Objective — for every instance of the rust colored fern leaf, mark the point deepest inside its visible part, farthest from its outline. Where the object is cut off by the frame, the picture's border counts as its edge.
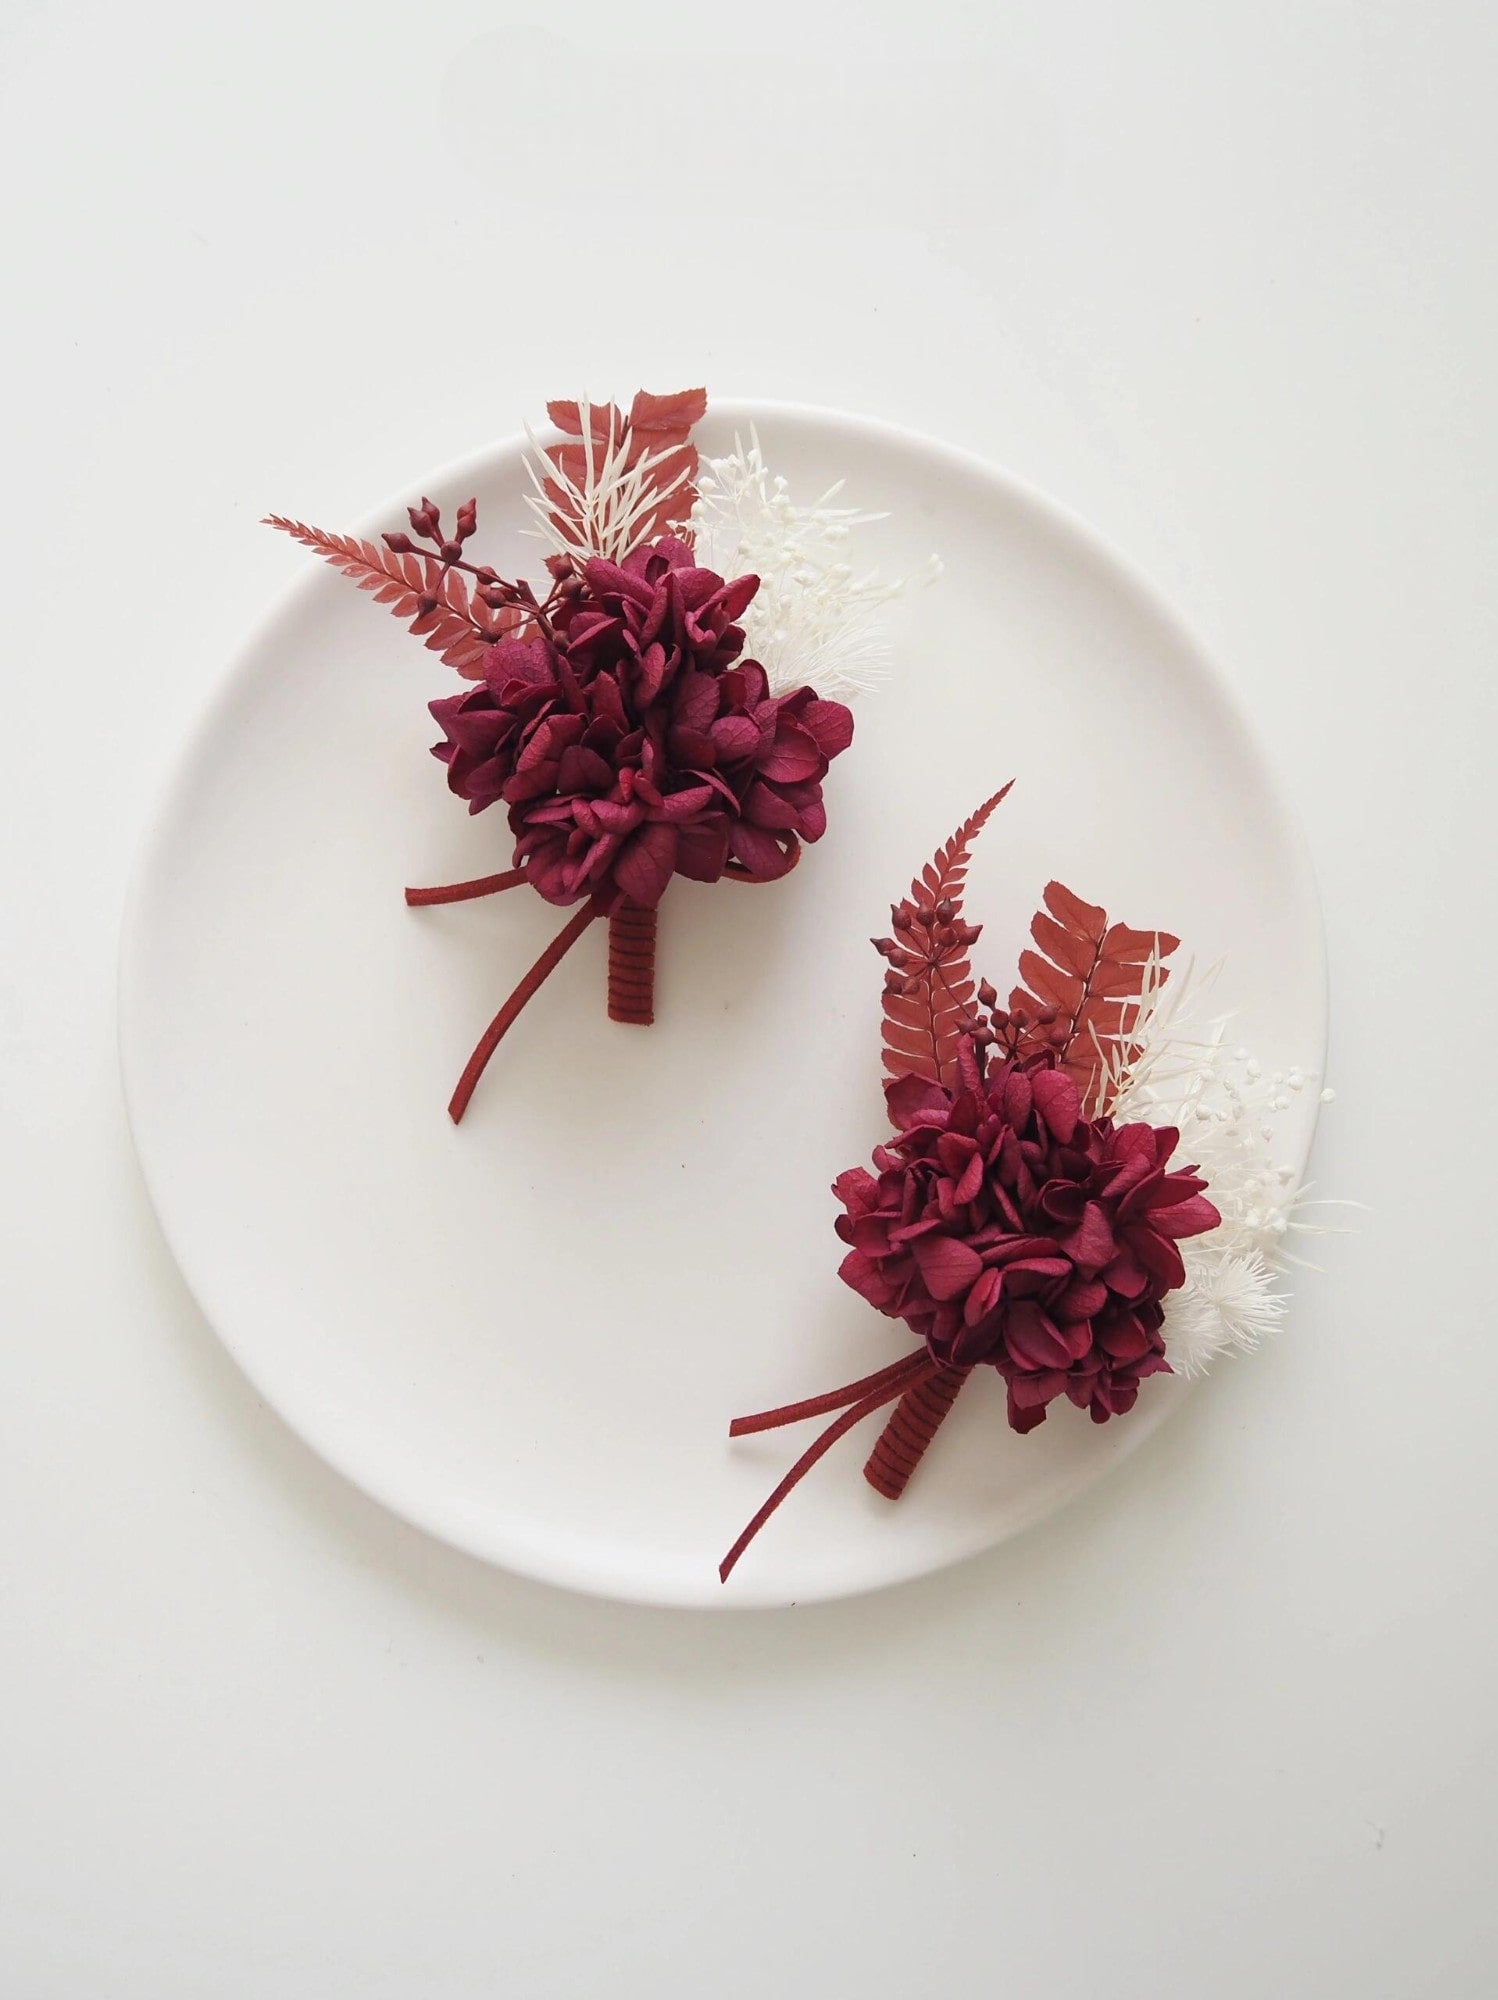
(929, 991)
(404, 583)
(1092, 973)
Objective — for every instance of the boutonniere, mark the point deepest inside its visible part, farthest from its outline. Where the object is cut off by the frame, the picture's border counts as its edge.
(663, 702)
(1081, 1190)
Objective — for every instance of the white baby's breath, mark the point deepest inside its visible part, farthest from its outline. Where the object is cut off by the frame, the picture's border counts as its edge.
(1226, 1107)
(817, 618)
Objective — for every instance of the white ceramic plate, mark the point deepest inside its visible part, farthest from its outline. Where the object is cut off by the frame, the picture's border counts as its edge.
(528, 1334)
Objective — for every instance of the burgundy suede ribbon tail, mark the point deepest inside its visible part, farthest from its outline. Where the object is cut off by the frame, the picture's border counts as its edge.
(465, 892)
(872, 1393)
(505, 1019)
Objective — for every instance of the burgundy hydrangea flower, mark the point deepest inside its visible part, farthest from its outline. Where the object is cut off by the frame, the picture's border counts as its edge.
(631, 743)
(1004, 1227)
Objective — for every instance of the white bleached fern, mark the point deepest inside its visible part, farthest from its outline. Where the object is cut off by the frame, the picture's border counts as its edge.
(607, 514)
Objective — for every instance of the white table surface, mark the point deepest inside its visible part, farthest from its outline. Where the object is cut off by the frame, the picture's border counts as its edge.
(1221, 278)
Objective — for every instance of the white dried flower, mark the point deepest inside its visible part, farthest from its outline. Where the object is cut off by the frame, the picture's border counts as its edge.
(1225, 1108)
(816, 619)
(1227, 1301)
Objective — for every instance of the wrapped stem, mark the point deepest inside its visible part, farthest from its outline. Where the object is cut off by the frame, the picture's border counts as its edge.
(918, 1416)
(632, 930)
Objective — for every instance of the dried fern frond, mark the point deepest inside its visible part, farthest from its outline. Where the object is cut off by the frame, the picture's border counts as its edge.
(1092, 973)
(929, 991)
(431, 601)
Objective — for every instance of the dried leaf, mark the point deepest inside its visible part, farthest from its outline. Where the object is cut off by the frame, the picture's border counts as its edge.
(1092, 973)
(399, 582)
(604, 420)
(667, 419)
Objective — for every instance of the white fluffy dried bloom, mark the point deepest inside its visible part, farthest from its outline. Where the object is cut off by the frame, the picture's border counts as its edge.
(1225, 1106)
(1226, 1302)
(816, 619)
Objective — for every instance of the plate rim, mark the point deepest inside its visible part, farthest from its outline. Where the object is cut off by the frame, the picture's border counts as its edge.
(505, 1550)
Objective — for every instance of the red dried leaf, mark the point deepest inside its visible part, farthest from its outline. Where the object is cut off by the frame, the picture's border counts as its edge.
(675, 479)
(1093, 974)
(922, 1027)
(658, 425)
(604, 420)
(667, 418)
(399, 582)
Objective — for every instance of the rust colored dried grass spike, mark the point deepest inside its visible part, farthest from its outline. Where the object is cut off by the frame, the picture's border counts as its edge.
(928, 990)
